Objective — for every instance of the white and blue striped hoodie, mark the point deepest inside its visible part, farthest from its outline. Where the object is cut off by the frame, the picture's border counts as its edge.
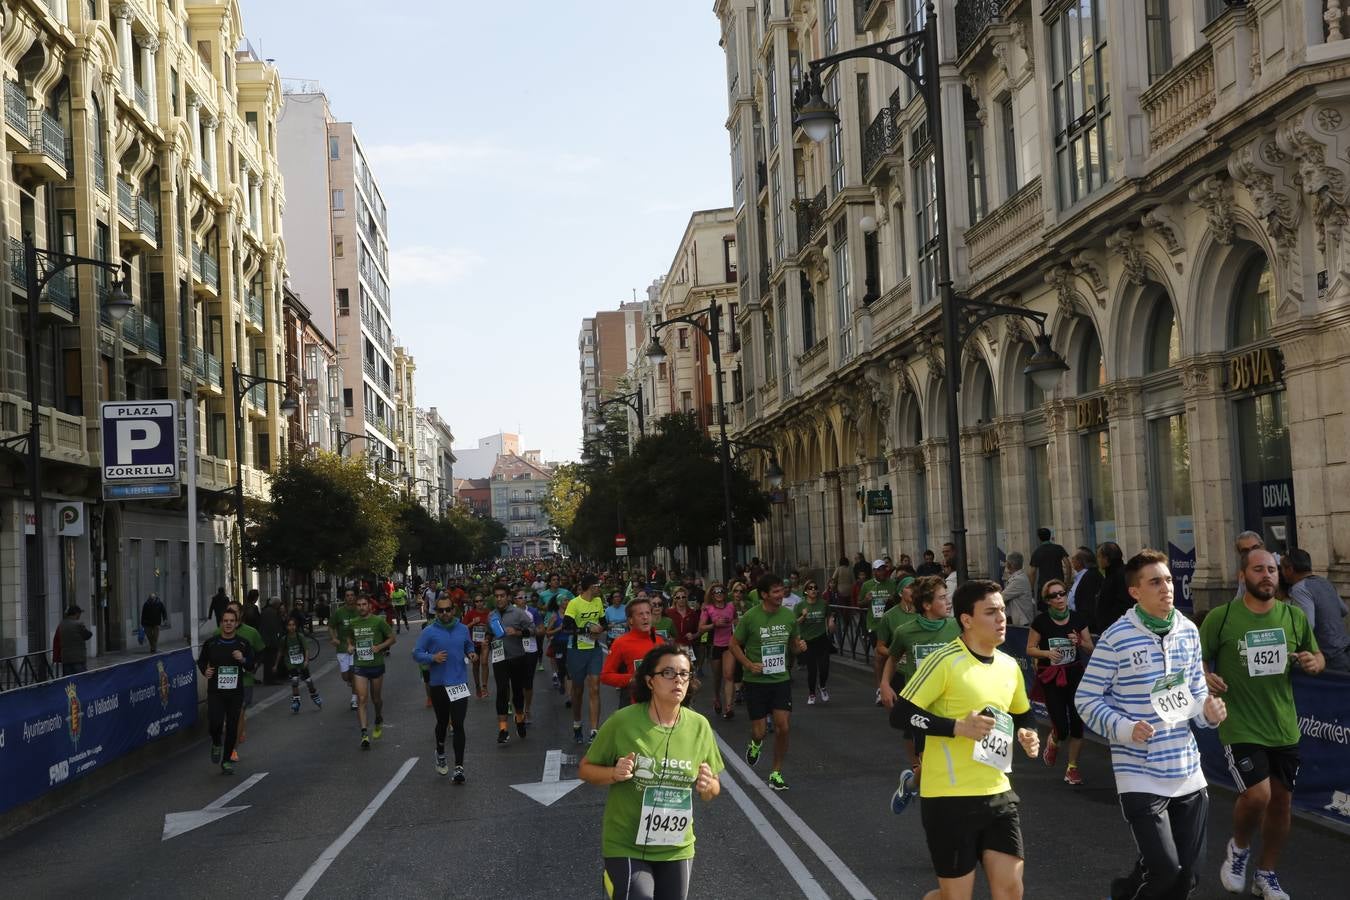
(1114, 695)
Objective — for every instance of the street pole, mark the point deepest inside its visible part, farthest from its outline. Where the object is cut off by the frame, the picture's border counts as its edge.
(37, 550)
(239, 475)
(728, 538)
(641, 427)
(194, 590)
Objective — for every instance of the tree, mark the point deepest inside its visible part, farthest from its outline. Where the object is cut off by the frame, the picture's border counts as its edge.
(478, 538)
(566, 489)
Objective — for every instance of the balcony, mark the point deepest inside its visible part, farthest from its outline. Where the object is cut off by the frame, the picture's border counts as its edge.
(17, 135)
(142, 99)
(205, 273)
(1180, 101)
(62, 434)
(1012, 226)
(810, 218)
(142, 337)
(126, 203)
(45, 155)
(59, 300)
(253, 312)
(100, 166)
(870, 15)
(209, 371)
(380, 425)
(881, 137)
(972, 17)
(147, 220)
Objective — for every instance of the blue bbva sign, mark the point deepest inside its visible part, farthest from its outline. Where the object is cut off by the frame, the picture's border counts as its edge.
(140, 441)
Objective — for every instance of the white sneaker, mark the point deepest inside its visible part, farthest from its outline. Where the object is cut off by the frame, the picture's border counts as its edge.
(878, 696)
(1267, 886)
(1233, 872)
(824, 695)
(810, 699)
(353, 701)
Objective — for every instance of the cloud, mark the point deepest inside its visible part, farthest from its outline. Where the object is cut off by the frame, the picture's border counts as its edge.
(420, 265)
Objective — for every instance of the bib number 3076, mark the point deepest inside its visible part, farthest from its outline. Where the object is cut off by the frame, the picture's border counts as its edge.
(666, 818)
(995, 748)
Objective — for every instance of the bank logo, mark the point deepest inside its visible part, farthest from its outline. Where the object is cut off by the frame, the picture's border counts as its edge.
(163, 685)
(75, 717)
(1340, 803)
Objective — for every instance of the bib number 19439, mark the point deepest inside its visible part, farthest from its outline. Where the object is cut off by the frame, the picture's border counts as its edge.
(667, 816)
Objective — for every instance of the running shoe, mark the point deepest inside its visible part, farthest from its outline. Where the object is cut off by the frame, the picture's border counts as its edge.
(752, 752)
(428, 703)
(776, 781)
(1267, 886)
(591, 739)
(1233, 872)
(365, 741)
(227, 768)
(768, 725)
(295, 705)
(234, 756)
(567, 704)
(442, 767)
(520, 729)
(810, 699)
(904, 793)
(1051, 752)
(482, 693)
(729, 714)
(353, 701)
(459, 774)
(216, 753)
(824, 695)
(878, 696)
(1072, 777)
(717, 707)
(576, 734)
(557, 686)
(318, 701)
(379, 730)
(502, 736)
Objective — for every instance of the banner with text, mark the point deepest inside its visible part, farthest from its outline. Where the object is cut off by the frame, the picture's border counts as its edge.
(54, 732)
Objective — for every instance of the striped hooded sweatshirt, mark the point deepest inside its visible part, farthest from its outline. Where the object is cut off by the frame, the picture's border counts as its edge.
(1114, 694)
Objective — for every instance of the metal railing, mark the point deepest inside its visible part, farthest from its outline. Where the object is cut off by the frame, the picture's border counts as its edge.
(99, 162)
(881, 137)
(132, 325)
(810, 218)
(147, 220)
(207, 267)
(142, 98)
(48, 129)
(30, 668)
(215, 372)
(851, 636)
(18, 268)
(16, 106)
(126, 204)
(60, 292)
(152, 337)
(972, 16)
(253, 306)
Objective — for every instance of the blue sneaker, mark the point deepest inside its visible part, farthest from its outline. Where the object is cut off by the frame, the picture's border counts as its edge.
(904, 793)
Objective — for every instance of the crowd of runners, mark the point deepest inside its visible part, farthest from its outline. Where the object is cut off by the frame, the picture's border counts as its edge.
(962, 704)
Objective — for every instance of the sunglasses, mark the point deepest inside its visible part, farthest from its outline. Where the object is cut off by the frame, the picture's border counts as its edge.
(809, 587)
(1054, 594)
(445, 609)
(718, 591)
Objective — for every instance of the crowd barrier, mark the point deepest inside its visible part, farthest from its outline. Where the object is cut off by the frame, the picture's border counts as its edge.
(58, 731)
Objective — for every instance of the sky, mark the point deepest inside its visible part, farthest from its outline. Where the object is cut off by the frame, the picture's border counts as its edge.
(540, 161)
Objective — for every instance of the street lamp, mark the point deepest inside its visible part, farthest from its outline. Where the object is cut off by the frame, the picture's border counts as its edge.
(657, 354)
(40, 267)
(241, 383)
(773, 473)
(915, 54)
(345, 438)
(631, 400)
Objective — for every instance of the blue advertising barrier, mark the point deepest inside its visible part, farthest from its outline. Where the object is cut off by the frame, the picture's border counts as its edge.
(58, 731)
(1323, 705)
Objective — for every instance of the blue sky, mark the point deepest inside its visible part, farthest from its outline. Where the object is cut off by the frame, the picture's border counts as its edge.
(540, 161)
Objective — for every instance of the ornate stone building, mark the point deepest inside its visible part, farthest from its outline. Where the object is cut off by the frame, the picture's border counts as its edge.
(1166, 180)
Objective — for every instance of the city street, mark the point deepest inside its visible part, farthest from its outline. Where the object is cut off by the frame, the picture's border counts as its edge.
(328, 820)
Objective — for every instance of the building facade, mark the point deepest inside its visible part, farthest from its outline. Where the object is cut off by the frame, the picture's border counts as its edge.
(340, 220)
(607, 346)
(138, 134)
(477, 462)
(435, 487)
(312, 364)
(475, 494)
(519, 485)
(1164, 181)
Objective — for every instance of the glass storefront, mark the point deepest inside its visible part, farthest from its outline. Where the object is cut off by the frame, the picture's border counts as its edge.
(1040, 502)
(1267, 470)
(1099, 496)
(1173, 525)
(996, 527)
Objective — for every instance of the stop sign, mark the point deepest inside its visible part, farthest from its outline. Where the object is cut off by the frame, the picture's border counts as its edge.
(620, 541)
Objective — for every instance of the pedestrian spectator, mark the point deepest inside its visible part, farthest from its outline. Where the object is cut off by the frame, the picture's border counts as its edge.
(862, 569)
(74, 633)
(1047, 564)
(1243, 544)
(272, 626)
(1017, 598)
(1114, 598)
(153, 617)
(1323, 606)
(929, 565)
(1086, 584)
(251, 613)
(218, 604)
(949, 575)
(843, 576)
(949, 554)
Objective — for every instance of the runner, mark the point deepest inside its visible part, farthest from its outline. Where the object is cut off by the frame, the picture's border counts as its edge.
(400, 613)
(1143, 688)
(927, 632)
(257, 645)
(583, 620)
(530, 643)
(901, 613)
(337, 634)
(739, 599)
(626, 653)
(668, 753)
(1248, 647)
(816, 624)
(222, 660)
(443, 647)
(512, 664)
(369, 637)
(616, 616)
(762, 641)
(662, 625)
(1060, 639)
(685, 621)
(878, 594)
(557, 646)
(295, 662)
(476, 620)
(717, 620)
(970, 701)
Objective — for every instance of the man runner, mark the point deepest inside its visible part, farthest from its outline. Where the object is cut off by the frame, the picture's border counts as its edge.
(443, 647)
(970, 701)
(368, 638)
(337, 634)
(628, 649)
(584, 620)
(1249, 646)
(877, 596)
(222, 660)
(762, 640)
(476, 620)
(400, 615)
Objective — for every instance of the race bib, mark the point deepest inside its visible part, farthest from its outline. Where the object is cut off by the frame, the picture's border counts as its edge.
(498, 652)
(995, 748)
(530, 645)
(457, 692)
(667, 817)
(617, 631)
(227, 678)
(296, 657)
(878, 607)
(584, 641)
(479, 634)
(1068, 650)
(922, 650)
(774, 658)
(365, 650)
(663, 635)
(1267, 652)
(1171, 698)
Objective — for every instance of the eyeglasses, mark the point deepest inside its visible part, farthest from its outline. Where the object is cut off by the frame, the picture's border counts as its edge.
(1056, 594)
(671, 674)
(718, 591)
(444, 609)
(809, 587)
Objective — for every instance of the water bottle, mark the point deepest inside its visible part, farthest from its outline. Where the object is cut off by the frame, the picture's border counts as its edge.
(495, 621)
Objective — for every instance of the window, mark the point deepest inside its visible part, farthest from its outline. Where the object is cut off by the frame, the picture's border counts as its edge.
(343, 302)
(1009, 126)
(1100, 499)
(771, 92)
(1164, 341)
(871, 266)
(333, 150)
(251, 120)
(1158, 37)
(347, 400)
(1080, 73)
(770, 374)
(1254, 308)
(1091, 367)
(829, 24)
(684, 338)
(784, 344)
(915, 12)
(925, 225)
(776, 195)
(843, 309)
(975, 193)
(733, 62)
(737, 168)
(901, 253)
(338, 249)
(339, 199)
(808, 313)
(729, 261)
(836, 138)
(686, 402)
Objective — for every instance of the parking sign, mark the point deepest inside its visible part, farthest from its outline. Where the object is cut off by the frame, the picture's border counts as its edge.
(140, 441)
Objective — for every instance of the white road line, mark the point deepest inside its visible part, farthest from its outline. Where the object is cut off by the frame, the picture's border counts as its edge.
(226, 798)
(851, 883)
(311, 877)
(805, 880)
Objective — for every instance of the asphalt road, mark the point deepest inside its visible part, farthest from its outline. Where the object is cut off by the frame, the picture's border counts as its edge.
(330, 821)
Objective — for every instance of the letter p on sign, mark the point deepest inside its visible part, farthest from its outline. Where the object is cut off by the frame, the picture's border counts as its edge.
(133, 435)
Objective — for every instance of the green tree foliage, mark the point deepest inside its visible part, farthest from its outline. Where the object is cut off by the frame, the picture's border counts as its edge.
(566, 489)
(479, 538)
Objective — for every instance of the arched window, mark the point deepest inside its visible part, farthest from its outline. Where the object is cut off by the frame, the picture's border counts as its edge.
(1164, 339)
(1254, 305)
(1091, 368)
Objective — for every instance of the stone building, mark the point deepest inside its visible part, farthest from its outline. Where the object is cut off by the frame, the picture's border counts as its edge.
(1165, 181)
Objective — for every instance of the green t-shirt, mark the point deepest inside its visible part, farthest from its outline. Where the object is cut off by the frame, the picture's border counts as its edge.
(365, 633)
(812, 618)
(876, 597)
(913, 641)
(664, 628)
(895, 618)
(294, 653)
(337, 624)
(762, 634)
(400, 597)
(1237, 642)
(250, 634)
(681, 750)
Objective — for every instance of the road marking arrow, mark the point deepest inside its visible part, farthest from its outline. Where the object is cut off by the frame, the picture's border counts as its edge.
(550, 788)
(177, 823)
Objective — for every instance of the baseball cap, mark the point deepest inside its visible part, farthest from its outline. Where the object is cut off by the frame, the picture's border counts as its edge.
(879, 564)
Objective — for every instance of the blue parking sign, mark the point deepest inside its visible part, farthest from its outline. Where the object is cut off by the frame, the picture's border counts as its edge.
(140, 441)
